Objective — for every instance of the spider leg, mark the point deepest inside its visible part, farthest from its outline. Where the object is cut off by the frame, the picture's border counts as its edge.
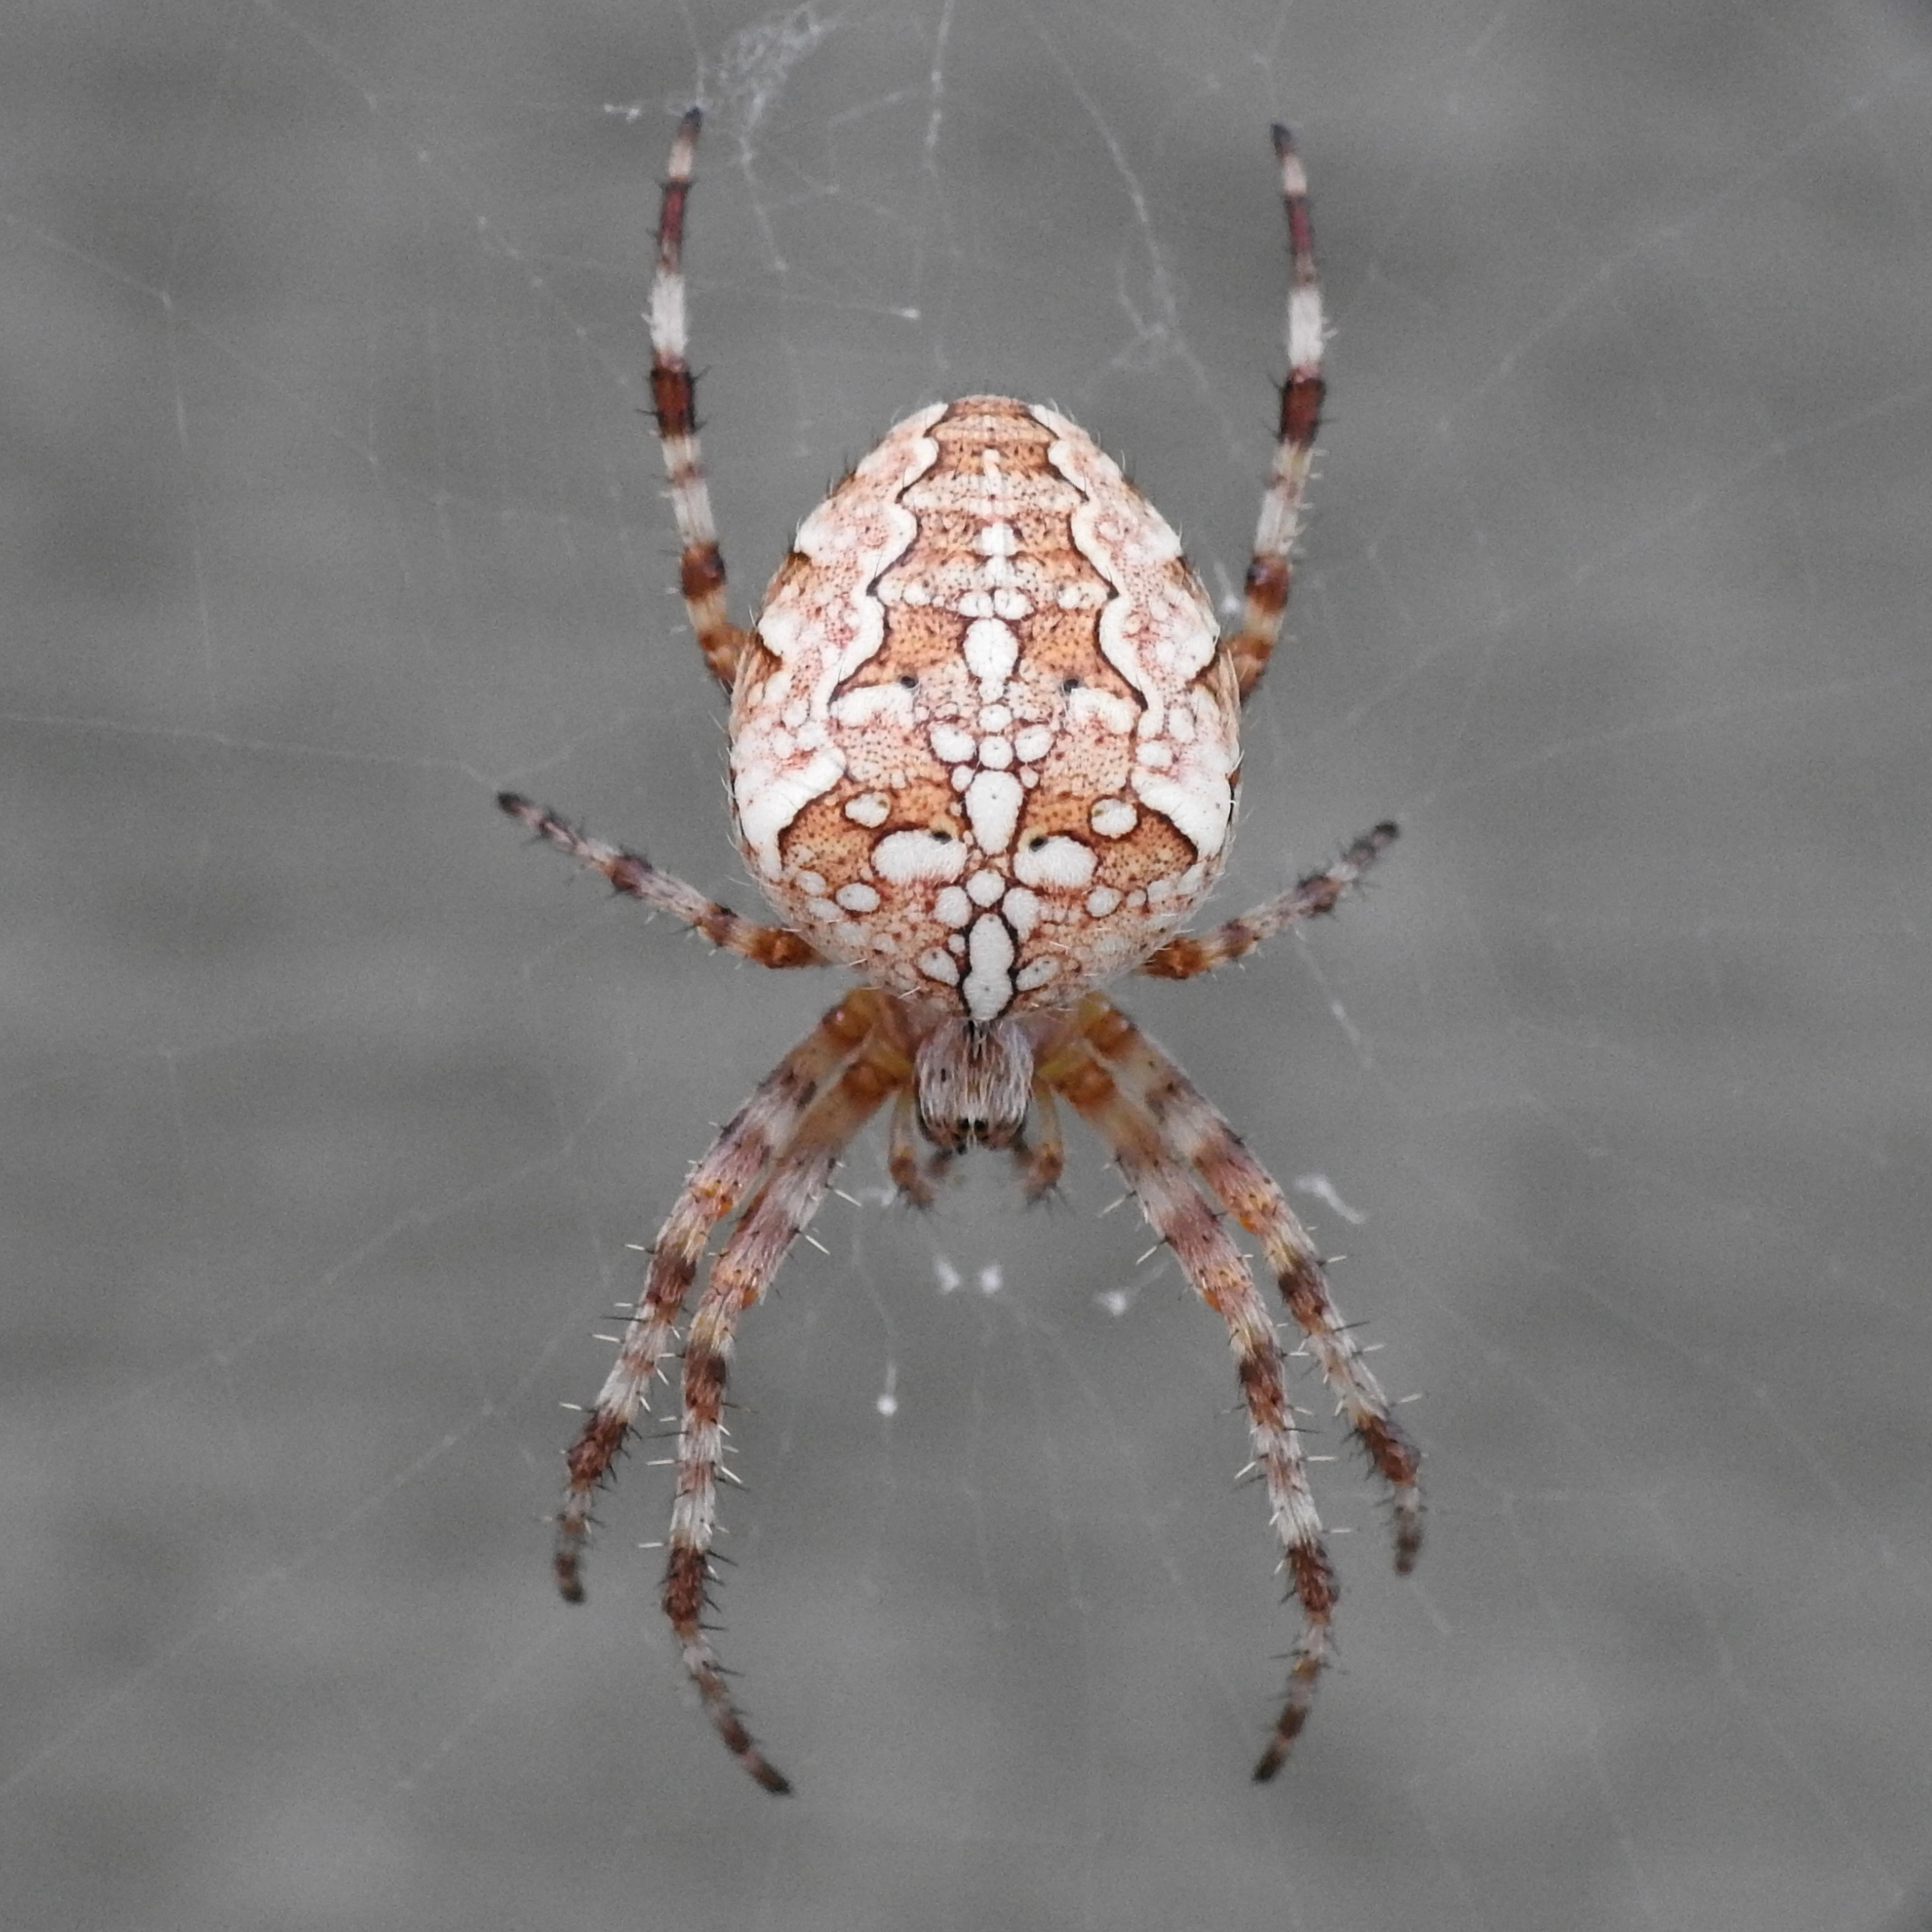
(743, 1149)
(1040, 1153)
(674, 402)
(1178, 1213)
(1189, 954)
(1271, 573)
(916, 1170)
(1192, 1124)
(801, 1171)
(631, 873)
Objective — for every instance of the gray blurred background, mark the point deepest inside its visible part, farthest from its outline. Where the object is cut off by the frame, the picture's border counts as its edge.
(328, 510)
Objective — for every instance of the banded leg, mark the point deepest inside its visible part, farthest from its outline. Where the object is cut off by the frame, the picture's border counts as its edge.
(743, 1149)
(1271, 572)
(800, 1173)
(1178, 1212)
(1188, 954)
(631, 873)
(674, 402)
(1198, 1130)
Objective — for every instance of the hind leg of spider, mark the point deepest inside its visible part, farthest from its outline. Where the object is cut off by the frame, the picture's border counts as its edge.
(801, 1171)
(1199, 1132)
(717, 1184)
(1178, 1213)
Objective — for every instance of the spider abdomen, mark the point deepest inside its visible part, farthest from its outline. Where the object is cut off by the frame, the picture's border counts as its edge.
(985, 744)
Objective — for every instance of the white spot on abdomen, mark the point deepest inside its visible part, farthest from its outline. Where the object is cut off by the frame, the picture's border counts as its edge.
(1057, 862)
(989, 986)
(992, 804)
(872, 703)
(1021, 910)
(991, 648)
(1107, 708)
(905, 858)
(768, 800)
(1198, 804)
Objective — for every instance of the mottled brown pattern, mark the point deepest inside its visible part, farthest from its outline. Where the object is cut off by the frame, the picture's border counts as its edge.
(1009, 513)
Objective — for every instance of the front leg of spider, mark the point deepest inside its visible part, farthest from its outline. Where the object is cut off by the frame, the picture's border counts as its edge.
(984, 737)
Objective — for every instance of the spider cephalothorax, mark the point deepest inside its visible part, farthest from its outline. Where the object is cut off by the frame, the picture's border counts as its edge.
(984, 744)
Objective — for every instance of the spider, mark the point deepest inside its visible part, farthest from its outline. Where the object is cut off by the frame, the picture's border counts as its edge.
(984, 745)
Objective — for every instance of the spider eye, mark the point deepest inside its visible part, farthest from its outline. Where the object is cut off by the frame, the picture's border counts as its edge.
(1069, 684)
(909, 680)
(940, 835)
